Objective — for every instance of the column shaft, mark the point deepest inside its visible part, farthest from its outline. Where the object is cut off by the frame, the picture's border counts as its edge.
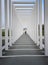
(10, 22)
(6, 23)
(37, 20)
(46, 27)
(40, 20)
(35, 33)
(0, 31)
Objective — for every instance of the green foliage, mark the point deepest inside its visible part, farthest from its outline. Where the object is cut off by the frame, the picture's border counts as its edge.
(3, 32)
(43, 30)
(8, 32)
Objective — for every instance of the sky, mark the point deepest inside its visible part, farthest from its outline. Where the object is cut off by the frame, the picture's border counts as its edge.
(3, 14)
(43, 11)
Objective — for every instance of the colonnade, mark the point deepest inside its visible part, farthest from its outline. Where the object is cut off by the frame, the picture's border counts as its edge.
(8, 19)
(37, 21)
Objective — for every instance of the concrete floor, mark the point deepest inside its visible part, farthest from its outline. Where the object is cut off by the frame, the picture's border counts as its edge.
(24, 52)
(33, 60)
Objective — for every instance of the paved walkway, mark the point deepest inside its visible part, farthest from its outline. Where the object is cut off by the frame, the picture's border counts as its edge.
(24, 52)
(24, 46)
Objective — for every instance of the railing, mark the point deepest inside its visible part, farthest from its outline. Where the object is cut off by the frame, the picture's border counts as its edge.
(43, 42)
(3, 44)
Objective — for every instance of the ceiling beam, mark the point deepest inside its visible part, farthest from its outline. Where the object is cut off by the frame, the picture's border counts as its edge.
(23, 6)
(23, 12)
(23, 2)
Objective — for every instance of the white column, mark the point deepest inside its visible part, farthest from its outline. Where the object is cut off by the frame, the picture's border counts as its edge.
(40, 20)
(0, 32)
(6, 23)
(46, 27)
(34, 20)
(10, 22)
(35, 25)
(37, 20)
